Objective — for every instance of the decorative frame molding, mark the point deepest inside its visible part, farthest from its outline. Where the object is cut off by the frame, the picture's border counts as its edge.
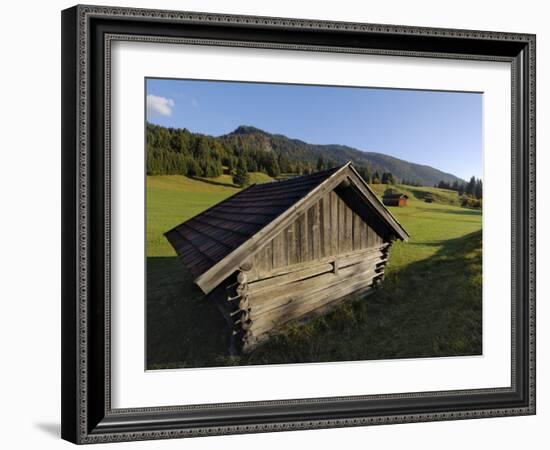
(87, 34)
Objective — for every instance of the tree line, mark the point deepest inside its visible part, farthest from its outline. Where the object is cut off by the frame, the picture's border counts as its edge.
(472, 188)
(363, 170)
(177, 151)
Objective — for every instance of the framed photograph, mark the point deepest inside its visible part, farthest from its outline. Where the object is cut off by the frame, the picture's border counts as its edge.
(279, 224)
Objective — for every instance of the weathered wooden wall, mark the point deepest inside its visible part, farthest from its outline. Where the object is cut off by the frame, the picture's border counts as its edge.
(274, 301)
(257, 307)
(328, 228)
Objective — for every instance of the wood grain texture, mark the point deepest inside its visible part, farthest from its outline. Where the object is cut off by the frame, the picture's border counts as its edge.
(292, 310)
(272, 297)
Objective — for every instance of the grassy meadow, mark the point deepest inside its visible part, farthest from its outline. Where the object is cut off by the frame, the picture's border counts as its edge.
(429, 304)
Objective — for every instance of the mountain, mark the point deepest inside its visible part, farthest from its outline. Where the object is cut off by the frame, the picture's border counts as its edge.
(180, 151)
(246, 136)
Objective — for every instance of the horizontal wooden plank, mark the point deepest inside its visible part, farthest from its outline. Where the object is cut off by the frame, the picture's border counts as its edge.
(307, 272)
(299, 298)
(264, 291)
(310, 302)
(322, 308)
(280, 295)
(345, 259)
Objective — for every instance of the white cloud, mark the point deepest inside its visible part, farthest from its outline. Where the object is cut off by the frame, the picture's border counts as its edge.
(160, 106)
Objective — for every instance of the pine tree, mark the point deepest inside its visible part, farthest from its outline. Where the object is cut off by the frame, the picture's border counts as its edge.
(202, 150)
(230, 163)
(365, 174)
(273, 169)
(479, 189)
(193, 169)
(387, 178)
(253, 166)
(471, 187)
(241, 177)
(321, 163)
(284, 164)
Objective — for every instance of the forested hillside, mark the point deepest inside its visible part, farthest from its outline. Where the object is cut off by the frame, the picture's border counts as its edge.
(172, 151)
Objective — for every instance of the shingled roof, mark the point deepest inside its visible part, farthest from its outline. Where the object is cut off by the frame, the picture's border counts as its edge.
(206, 240)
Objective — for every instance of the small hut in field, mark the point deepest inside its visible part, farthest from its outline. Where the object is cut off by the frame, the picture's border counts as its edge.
(287, 250)
(394, 198)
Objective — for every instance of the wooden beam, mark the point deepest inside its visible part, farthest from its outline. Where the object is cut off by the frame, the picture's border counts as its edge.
(246, 266)
(307, 272)
(280, 295)
(310, 302)
(383, 212)
(333, 223)
(346, 259)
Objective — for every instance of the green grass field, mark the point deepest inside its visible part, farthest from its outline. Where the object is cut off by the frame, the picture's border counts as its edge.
(429, 304)
(171, 199)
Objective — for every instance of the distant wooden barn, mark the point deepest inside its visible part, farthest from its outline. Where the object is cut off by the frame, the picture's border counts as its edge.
(287, 250)
(394, 199)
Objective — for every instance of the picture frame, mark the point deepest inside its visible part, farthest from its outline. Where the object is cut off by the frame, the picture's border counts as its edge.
(87, 413)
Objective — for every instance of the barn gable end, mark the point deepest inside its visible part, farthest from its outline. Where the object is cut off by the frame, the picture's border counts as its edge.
(326, 229)
(286, 250)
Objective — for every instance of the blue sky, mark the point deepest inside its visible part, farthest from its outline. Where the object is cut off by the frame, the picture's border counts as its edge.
(439, 129)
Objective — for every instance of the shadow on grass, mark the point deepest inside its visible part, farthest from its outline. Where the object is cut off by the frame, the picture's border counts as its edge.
(430, 308)
(215, 183)
(421, 195)
(461, 211)
(183, 330)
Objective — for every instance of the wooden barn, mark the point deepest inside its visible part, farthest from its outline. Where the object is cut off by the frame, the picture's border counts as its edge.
(287, 250)
(394, 199)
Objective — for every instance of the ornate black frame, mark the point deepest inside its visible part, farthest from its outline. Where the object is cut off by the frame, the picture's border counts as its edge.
(87, 416)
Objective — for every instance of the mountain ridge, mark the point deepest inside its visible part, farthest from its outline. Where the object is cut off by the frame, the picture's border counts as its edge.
(178, 150)
(376, 161)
